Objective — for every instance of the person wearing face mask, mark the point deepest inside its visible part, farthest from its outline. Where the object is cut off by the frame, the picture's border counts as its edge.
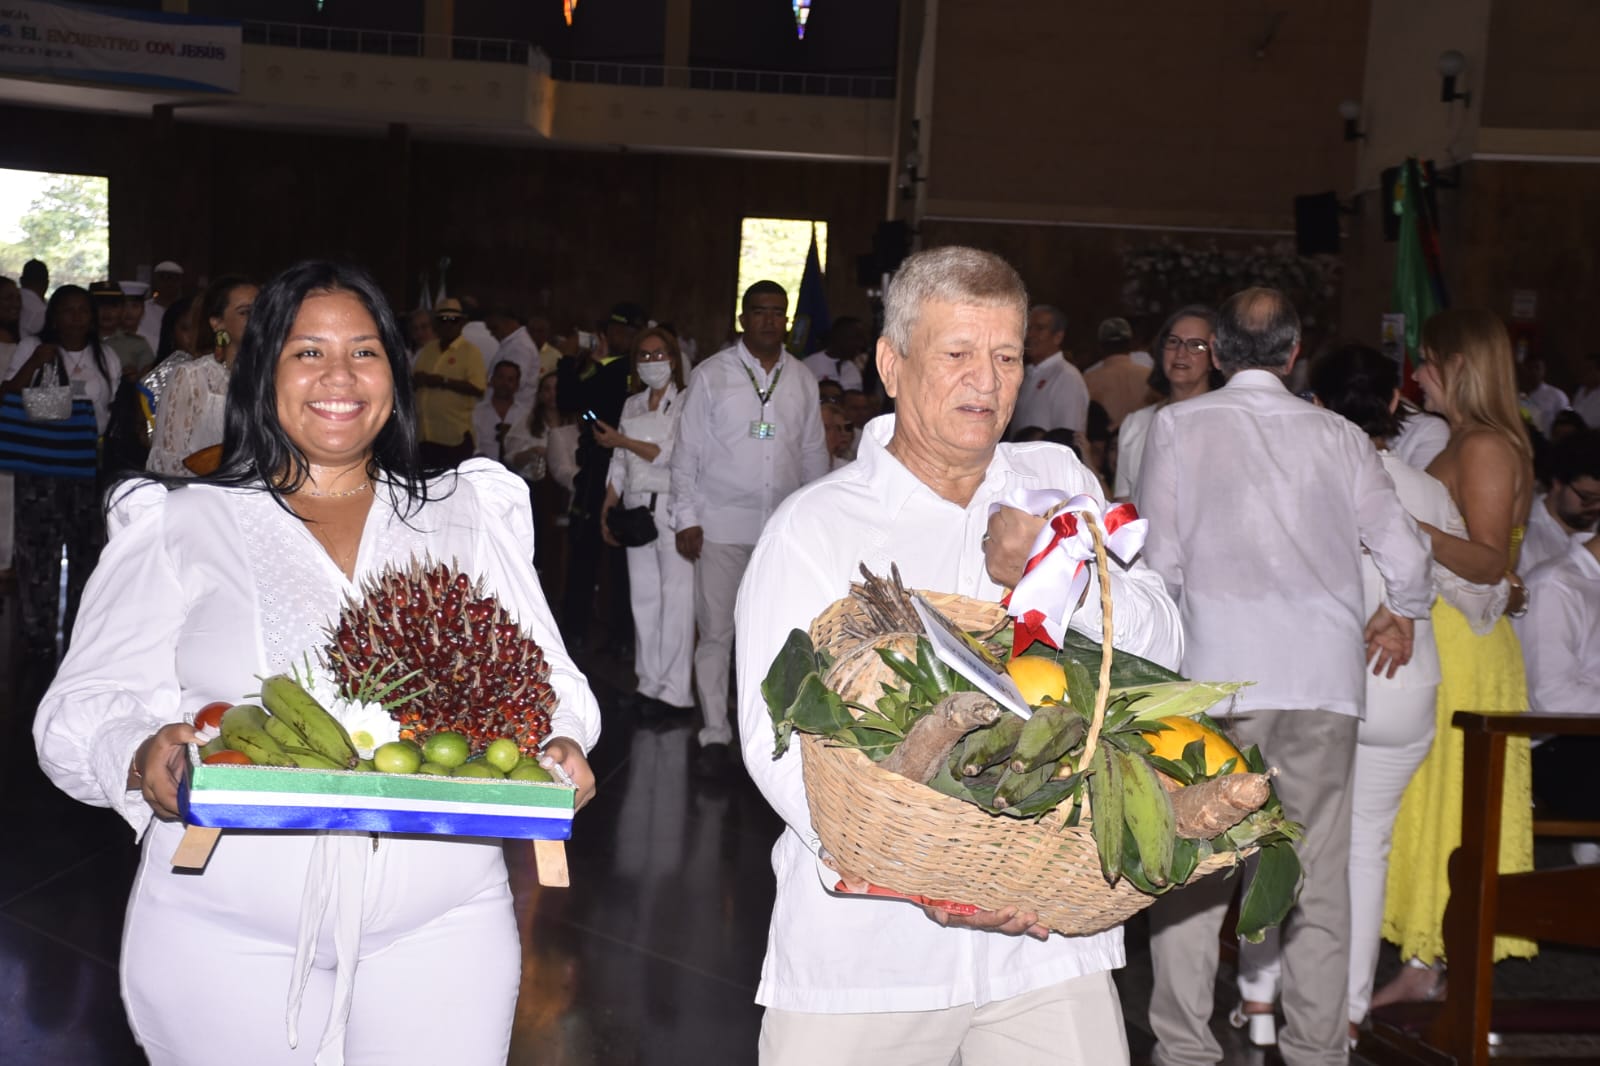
(660, 581)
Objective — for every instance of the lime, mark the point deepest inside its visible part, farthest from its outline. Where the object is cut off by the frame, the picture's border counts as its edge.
(434, 769)
(503, 755)
(446, 749)
(476, 769)
(530, 770)
(397, 757)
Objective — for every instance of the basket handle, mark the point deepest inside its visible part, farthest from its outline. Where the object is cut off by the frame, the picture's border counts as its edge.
(1102, 569)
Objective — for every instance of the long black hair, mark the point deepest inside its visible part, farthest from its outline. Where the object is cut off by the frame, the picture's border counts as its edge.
(168, 340)
(51, 333)
(256, 450)
(1359, 382)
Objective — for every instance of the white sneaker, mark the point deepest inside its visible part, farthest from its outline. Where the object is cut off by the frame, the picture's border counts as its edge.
(1263, 1028)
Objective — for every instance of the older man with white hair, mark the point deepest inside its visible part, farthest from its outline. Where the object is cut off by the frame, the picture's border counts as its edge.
(852, 980)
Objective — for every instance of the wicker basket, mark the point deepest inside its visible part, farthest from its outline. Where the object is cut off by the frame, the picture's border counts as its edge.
(905, 836)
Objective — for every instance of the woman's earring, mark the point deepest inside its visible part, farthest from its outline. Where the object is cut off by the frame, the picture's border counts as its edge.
(223, 340)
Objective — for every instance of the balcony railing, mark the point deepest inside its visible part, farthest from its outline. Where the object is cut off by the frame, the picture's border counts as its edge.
(856, 86)
(523, 53)
(395, 43)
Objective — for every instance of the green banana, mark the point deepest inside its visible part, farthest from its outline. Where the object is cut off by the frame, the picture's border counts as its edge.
(283, 732)
(307, 759)
(1105, 813)
(322, 732)
(983, 748)
(242, 731)
(211, 747)
(1052, 732)
(1147, 809)
(1014, 788)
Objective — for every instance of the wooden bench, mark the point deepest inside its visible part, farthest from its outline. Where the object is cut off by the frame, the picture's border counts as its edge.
(1556, 906)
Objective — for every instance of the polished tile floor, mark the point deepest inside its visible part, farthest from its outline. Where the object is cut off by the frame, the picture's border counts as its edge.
(651, 957)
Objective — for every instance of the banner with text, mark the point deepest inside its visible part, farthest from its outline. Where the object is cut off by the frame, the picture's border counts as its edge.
(135, 48)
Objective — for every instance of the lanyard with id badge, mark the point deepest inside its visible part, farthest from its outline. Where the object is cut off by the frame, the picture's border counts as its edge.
(761, 429)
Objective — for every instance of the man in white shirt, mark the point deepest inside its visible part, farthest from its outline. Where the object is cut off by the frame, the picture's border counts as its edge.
(838, 360)
(1259, 506)
(837, 435)
(1541, 400)
(1053, 394)
(1572, 506)
(516, 346)
(34, 282)
(750, 434)
(868, 982)
(166, 285)
(1560, 638)
(477, 332)
(500, 421)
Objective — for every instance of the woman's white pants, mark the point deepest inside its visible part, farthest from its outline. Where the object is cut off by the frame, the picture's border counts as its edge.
(661, 584)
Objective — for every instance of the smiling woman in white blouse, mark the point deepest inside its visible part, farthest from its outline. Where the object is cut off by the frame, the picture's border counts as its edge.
(210, 583)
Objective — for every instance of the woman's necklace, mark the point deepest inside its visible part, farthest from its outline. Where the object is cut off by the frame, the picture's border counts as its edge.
(336, 495)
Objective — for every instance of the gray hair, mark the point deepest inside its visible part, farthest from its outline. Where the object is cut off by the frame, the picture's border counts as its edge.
(1058, 317)
(951, 274)
(1257, 328)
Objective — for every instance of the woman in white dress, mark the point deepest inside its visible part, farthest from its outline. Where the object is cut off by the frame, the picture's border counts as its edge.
(660, 581)
(229, 577)
(190, 416)
(1183, 370)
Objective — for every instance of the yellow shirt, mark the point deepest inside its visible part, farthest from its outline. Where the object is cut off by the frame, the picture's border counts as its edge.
(444, 416)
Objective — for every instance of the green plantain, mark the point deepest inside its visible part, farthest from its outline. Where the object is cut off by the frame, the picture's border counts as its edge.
(322, 732)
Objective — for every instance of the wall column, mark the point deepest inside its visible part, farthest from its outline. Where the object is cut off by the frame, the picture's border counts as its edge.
(675, 47)
(394, 265)
(439, 25)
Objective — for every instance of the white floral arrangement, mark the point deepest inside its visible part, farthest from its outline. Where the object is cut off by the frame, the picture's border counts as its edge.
(1160, 278)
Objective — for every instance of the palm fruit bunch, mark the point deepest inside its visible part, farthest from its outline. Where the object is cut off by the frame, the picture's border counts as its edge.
(473, 670)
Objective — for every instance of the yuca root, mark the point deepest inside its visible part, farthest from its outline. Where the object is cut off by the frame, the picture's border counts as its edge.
(1203, 810)
(928, 745)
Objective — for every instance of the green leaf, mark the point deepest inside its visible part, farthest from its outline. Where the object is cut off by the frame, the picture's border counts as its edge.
(904, 667)
(1227, 767)
(816, 709)
(1185, 857)
(1080, 688)
(1194, 756)
(1126, 668)
(1253, 760)
(1271, 892)
(933, 668)
(794, 661)
(1178, 771)
(1185, 698)
(1047, 797)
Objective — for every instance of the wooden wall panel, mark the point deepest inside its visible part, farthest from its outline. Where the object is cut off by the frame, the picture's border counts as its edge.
(564, 233)
(1541, 71)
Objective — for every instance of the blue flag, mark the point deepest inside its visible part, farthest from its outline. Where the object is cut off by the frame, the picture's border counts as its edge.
(811, 318)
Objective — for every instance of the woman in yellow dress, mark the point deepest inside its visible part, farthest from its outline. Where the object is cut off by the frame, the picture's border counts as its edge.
(1487, 467)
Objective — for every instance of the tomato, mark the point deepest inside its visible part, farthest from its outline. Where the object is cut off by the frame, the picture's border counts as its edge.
(210, 716)
(228, 757)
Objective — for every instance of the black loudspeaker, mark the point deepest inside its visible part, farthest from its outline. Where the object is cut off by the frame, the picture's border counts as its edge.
(1316, 224)
(891, 244)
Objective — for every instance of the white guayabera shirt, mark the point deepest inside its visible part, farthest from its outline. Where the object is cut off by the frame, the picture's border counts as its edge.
(1561, 632)
(1259, 506)
(833, 954)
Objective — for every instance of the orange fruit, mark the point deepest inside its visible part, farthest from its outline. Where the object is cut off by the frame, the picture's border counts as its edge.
(1038, 678)
(1181, 732)
(227, 757)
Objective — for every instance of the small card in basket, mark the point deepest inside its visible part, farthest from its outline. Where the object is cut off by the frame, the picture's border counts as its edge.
(970, 659)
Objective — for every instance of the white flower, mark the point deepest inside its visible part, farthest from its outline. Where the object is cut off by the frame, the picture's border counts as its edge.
(369, 725)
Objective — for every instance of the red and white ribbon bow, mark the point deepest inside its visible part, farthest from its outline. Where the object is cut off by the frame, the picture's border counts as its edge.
(1057, 572)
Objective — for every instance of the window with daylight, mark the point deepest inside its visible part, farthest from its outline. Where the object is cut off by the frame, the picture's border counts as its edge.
(775, 249)
(63, 220)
